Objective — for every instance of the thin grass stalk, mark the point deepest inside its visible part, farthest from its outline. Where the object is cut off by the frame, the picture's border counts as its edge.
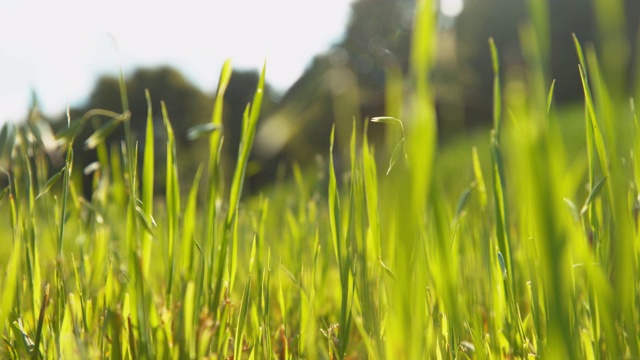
(10, 284)
(409, 317)
(250, 120)
(133, 242)
(609, 169)
(624, 262)
(189, 228)
(497, 164)
(29, 221)
(372, 248)
(173, 202)
(213, 174)
(244, 308)
(147, 183)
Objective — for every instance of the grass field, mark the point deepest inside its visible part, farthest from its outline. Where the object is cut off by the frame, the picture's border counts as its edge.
(519, 242)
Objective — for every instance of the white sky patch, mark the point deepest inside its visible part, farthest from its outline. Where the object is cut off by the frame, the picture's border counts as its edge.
(58, 49)
(451, 8)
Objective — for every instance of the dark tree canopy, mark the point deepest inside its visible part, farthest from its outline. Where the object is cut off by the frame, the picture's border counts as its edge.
(502, 20)
(187, 106)
(348, 81)
(344, 83)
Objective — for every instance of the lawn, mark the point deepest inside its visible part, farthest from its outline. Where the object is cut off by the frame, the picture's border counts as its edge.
(518, 241)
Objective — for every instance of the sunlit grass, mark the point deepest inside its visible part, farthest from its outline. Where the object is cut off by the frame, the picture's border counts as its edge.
(517, 242)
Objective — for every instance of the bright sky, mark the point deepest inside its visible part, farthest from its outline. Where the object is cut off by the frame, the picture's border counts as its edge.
(59, 49)
(451, 8)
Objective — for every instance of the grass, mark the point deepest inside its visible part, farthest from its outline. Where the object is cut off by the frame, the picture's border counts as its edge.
(518, 242)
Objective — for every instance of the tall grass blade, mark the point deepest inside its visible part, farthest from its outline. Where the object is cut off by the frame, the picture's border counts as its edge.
(52, 181)
(173, 200)
(250, 121)
(213, 176)
(147, 181)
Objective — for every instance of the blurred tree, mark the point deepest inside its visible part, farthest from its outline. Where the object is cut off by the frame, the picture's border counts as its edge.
(344, 83)
(501, 19)
(187, 106)
(378, 36)
(480, 20)
(348, 81)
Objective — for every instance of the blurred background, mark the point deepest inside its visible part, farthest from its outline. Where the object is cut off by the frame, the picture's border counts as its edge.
(327, 62)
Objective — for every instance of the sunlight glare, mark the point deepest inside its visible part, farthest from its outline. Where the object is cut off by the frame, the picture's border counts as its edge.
(451, 8)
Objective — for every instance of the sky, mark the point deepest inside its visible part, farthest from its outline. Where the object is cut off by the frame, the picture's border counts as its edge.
(59, 49)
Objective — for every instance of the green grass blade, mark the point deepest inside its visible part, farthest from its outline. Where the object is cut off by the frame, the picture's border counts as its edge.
(201, 130)
(595, 128)
(147, 181)
(215, 146)
(592, 195)
(173, 200)
(250, 121)
(244, 308)
(550, 96)
(497, 99)
(189, 225)
(100, 135)
(334, 205)
(10, 284)
(188, 312)
(52, 181)
(479, 178)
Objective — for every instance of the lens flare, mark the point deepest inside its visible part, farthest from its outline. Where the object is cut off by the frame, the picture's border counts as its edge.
(451, 8)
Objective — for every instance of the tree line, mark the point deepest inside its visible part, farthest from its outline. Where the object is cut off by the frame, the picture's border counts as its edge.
(348, 81)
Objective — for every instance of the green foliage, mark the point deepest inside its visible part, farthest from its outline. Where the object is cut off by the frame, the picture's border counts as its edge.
(345, 82)
(555, 21)
(424, 261)
(187, 105)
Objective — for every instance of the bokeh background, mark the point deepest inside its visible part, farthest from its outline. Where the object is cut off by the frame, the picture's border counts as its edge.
(327, 62)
